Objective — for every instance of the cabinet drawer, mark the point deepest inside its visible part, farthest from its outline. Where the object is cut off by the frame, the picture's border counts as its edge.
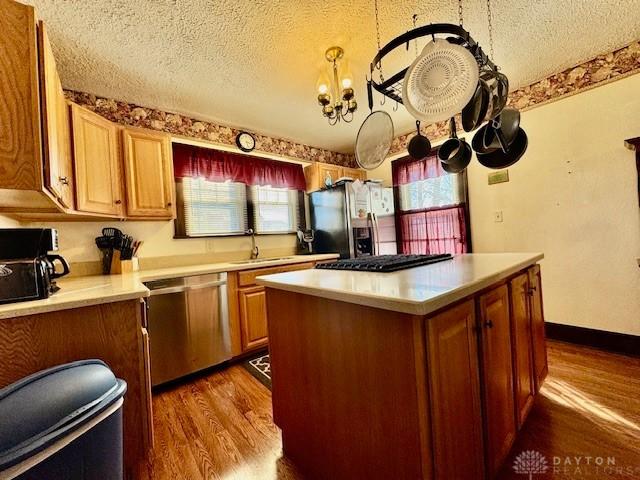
(248, 277)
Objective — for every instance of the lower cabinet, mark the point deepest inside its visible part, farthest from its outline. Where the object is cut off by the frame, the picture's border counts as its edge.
(454, 383)
(497, 376)
(248, 307)
(537, 326)
(253, 317)
(522, 347)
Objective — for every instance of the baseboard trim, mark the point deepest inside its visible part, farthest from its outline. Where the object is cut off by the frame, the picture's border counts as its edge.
(609, 341)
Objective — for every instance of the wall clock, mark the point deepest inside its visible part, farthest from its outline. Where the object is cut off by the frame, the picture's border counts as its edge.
(245, 141)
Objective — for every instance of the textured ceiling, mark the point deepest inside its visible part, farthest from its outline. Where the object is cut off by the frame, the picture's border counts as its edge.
(255, 63)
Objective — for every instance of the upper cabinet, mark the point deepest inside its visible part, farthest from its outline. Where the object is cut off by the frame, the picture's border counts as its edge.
(58, 167)
(20, 139)
(97, 163)
(148, 172)
(317, 174)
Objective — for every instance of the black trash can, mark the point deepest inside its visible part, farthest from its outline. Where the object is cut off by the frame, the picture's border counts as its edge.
(63, 423)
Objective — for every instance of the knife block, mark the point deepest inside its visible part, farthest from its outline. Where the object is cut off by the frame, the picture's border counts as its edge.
(123, 266)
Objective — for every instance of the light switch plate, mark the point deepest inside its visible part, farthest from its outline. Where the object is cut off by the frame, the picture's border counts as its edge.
(497, 216)
(501, 176)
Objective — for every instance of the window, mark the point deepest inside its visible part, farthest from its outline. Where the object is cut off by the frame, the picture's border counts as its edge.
(275, 210)
(432, 213)
(431, 192)
(214, 208)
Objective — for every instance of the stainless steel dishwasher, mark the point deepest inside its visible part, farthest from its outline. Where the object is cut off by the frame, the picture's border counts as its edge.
(188, 323)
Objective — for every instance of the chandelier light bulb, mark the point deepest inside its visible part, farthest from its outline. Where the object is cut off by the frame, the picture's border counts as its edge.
(323, 88)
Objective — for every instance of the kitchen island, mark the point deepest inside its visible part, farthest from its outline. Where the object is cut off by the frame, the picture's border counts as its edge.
(428, 372)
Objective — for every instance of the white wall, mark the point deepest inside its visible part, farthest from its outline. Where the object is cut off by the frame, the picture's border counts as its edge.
(573, 196)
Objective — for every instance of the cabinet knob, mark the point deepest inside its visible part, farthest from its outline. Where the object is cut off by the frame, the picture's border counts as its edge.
(118, 202)
(488, 324)
(169, 204)
(64, 180)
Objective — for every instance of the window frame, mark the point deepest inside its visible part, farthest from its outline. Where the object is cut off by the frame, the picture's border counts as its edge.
(180, 232)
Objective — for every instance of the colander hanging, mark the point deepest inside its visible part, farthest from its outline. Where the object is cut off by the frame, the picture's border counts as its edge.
(374, 140)
(440, 81)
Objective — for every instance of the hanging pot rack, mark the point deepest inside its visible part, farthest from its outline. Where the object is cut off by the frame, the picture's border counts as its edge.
(392, 87)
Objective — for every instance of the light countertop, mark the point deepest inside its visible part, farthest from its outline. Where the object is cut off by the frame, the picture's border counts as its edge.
(78, 292)
(417, 291)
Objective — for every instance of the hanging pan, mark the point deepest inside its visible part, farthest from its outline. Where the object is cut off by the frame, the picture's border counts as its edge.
(455, 153)
(474, 112)
(440, 81)
(374, 140)
(419, 146)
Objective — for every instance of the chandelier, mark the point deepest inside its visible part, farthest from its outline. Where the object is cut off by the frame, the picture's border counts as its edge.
(335, 94)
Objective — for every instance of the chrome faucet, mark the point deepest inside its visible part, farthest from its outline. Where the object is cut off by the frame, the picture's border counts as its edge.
(255, 251)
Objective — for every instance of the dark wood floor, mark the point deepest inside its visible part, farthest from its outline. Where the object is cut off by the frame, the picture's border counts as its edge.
(220, 426)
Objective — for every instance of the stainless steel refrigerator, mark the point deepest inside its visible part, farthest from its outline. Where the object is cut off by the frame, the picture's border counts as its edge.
(353, 219)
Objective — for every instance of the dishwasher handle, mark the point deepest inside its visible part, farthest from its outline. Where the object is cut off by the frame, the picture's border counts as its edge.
(168, 290)
(200, 286)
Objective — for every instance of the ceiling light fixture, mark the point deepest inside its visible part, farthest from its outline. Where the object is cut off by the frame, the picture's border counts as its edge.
(336, 95)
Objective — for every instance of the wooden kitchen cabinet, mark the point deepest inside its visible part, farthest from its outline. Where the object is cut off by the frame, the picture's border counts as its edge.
(253, 317)
(148, 172)
(497, 375)
(455, 393)
(58, 166)
(524, 383)
(97, 163)
(537, 326)
(316, 174)
(354, 173)
(247, 307)
(35, 173)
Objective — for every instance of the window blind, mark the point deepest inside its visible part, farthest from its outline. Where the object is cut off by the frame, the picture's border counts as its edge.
(275, 210)
(214, 208)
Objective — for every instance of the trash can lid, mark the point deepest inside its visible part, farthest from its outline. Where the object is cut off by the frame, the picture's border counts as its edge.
(40, 408)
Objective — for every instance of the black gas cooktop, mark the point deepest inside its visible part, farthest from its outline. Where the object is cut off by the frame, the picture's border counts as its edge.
(384, 263)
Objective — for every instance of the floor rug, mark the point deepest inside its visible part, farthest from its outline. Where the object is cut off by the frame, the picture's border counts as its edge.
(260, 367)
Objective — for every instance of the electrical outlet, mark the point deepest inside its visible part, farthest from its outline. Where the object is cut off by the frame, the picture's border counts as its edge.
(497, 216)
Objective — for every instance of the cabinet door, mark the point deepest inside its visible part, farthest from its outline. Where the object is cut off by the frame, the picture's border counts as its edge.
(522, 346)
(326, 170)
(497, 372)
(148, 170)
(253, 317)
(455, 393)
(20, 141)
(537, 326)
(97, 163)
(58, 168)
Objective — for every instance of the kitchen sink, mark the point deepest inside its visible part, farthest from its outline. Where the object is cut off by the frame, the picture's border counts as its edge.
(259, 260)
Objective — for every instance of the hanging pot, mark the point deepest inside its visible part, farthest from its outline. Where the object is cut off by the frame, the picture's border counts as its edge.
(499, 88)
(474, 112)
(502, 130)
(419, 146)
(498, 159)
(455, 152)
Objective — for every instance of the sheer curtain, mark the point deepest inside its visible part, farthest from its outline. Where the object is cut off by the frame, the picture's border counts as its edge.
(432, 215)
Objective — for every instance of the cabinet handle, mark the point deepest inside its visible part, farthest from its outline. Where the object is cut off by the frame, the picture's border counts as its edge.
(488, 324)
(118, 202)
(64, 180)
(169, 204)
(531, 290)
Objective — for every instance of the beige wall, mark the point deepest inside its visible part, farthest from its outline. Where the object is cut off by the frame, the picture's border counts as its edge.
(77, 241)
(6, 222)
(574, 197)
